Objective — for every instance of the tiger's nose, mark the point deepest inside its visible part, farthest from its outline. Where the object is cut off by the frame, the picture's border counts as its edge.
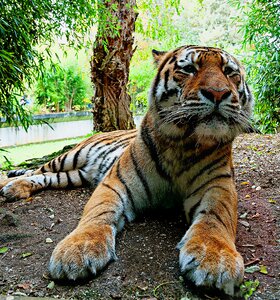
(216, 96)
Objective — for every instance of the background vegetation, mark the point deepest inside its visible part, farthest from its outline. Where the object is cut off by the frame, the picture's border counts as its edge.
(249, 29)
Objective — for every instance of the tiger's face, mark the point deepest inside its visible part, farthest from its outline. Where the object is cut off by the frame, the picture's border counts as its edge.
(202, 91)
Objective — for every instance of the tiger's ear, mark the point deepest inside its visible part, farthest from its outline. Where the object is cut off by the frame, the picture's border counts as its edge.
(158, 55)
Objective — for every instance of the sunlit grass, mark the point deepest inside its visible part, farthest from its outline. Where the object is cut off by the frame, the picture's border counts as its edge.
(19, 154)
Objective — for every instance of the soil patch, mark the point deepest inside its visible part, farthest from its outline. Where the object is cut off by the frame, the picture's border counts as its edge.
(147, 265)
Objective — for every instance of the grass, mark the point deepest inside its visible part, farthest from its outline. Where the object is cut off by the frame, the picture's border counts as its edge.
(19, 154)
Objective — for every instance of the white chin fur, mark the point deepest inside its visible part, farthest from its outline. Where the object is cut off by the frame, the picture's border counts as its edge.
(217, 131)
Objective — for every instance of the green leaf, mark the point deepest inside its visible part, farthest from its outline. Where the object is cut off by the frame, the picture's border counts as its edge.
(26, 254)
(3, 250)
(50, 285)
(252, 269)
(263, 269)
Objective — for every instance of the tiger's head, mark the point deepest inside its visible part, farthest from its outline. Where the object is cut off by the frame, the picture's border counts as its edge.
(202, 91)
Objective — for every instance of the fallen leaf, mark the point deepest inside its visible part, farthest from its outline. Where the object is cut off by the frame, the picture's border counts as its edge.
(247, 196)
(45, 276)
(49, 240)
(263, 269)
(252, 269)
(50, 285)
(24, 286)
(30, 199)
(245, 183)
(272, 201)
(243, 216)
(257, 215)
(26, 254)
(244, 223)
(3, 250)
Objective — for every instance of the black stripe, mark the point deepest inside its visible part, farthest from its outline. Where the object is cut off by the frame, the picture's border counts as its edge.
(172, 59)
(207, 167)
(158, 76)
(42, 169)
(45, 179)
(63, 162)
(69, 183)
(192, 210)
(128, 191)
(166, 76)
(75, 158)
(216, 187)
(141, 175)
(207, 182)
(85, 182)
(212, 212)
(119, 144)
(53, 166)
(156, 84)
(223, 164)
(58, 178)
(190, 161)
(175, 66)
(169, 93)
(148, 140)
(116, 140)
(104, 213)
(120, 197)
(110, 165)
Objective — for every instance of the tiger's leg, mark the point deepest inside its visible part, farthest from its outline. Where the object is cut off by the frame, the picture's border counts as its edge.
(92, 244)
(23, 186)
(208, 254)
(124, 191)
(56, 173)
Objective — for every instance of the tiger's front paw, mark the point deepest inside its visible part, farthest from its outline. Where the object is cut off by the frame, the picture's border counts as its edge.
(211, 263)
(83, 252)
(17, 189)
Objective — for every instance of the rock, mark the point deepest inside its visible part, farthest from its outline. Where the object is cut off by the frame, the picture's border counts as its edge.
(8, 218)
(19, 294)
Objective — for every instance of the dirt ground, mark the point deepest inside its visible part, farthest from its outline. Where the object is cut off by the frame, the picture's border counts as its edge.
(147, 265)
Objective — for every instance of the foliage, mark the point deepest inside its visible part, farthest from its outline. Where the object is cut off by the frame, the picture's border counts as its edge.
(26, 25)
(62, 89)
(260, 19)
(154, 20)
(210, 23)
(23, 26)
(247, 288)
(141, 75)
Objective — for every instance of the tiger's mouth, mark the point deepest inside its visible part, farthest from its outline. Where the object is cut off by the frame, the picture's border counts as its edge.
(210, 118)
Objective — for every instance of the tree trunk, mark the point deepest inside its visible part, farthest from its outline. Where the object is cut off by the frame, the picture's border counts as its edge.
(110, 69)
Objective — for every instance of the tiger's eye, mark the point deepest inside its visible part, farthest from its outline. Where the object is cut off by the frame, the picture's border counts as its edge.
(189, 69)
(228, 70)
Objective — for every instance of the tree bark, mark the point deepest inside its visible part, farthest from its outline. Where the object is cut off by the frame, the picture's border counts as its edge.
(110, 69)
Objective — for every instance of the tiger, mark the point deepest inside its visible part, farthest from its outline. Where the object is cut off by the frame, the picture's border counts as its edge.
(199, 102)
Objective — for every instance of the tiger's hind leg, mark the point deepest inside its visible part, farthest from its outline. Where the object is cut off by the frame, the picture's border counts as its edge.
(56, 173)
(208, 255)
(23, 186)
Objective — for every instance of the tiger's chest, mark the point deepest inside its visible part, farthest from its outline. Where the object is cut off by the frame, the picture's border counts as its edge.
(191, 166)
